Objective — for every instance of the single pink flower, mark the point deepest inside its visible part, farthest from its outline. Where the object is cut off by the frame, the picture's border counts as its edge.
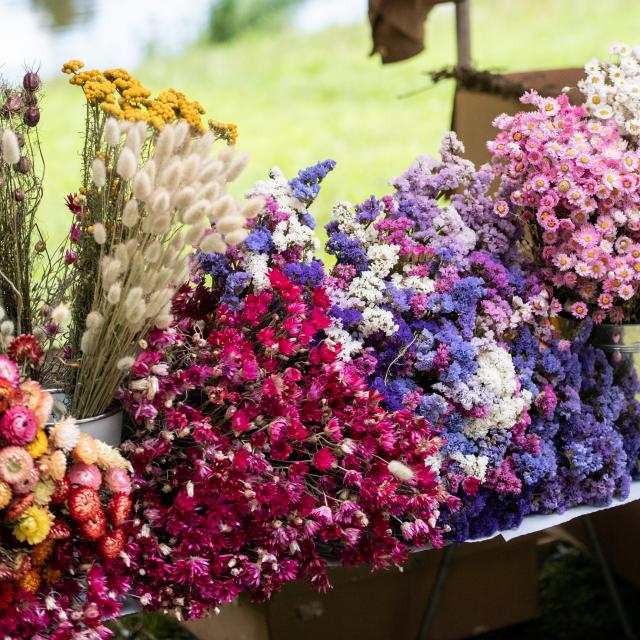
(118, 480)
(323, 459)
(86, 475)
(18, 425)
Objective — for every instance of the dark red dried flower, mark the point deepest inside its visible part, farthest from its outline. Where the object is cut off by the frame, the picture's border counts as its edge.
(110, 545)
(84, 503)
(60, 530)
(61, 491)
(119, 509)
(31, 81)
(25, 349)
(95, 527)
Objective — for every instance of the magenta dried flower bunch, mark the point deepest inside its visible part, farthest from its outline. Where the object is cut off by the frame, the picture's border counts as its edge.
(260, 453)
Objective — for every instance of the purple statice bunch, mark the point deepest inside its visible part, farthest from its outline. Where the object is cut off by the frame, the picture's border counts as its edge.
(468, 191)
(423, 306)
(582, 444)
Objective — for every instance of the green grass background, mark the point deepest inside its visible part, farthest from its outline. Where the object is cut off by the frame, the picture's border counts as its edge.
(298, 98)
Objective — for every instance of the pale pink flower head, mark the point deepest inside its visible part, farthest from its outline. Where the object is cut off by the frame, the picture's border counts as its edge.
(588, 236)
(626, 291)
(9, 370)
(15, 465)
(38, 401)
(28, 484)
(501, 208)
(118, 480)
(605, 300)
(623, 244)
(85, 475)
(563, 261)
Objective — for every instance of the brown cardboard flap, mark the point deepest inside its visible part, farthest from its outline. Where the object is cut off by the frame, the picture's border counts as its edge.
(240, 620)
(473, 112)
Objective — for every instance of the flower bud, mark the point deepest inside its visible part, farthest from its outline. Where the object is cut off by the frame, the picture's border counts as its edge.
(230, 223)
(141, 186)
(24, 165)
(112, 132)
(236, 237)
(130, 215)
(213, 243)
(18, 194)
(31, 116)
(99, 233)
(31, 81)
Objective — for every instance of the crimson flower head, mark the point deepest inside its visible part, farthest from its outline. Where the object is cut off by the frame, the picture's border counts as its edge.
(25, 350)
(323, 459)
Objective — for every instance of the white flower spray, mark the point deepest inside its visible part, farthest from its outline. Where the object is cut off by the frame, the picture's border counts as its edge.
(175, 200)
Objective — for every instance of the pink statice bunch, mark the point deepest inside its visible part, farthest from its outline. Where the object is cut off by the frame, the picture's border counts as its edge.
(260, 454)
(574, 180)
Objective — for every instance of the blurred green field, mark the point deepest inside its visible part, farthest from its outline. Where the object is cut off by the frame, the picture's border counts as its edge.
(298, 98)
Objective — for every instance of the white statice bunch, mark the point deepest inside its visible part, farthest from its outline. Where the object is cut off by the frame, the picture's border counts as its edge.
(451, 230)
(471, 465)
(175, 200)
(344, 215)
(496, 378)
(290, 232)
(404, 280)
(612, 88)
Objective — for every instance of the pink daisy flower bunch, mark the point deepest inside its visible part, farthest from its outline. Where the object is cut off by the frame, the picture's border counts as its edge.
(261, 454)
(574, 180)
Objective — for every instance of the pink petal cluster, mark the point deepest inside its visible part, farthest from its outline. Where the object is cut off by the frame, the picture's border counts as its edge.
(575, 180)
(18, 425)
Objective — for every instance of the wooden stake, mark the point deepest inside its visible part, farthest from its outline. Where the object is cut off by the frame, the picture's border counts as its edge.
(463, 33)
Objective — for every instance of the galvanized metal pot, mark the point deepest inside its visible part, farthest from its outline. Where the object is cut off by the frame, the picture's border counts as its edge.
(106, 427)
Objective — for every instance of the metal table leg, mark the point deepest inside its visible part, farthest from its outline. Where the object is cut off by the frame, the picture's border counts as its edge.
(436, 593)
(612, 588)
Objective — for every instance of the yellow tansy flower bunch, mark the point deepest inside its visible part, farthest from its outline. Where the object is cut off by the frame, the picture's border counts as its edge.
(226, 131)
(118, 93)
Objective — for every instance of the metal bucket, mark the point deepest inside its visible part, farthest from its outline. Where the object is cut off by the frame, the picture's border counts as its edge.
(621, 343)
(106, 427)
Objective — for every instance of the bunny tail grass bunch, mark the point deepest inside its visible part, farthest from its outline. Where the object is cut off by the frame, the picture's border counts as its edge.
(171, 198)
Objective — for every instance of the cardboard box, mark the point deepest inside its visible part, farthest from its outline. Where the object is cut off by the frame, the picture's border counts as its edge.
(474, 111)
(240, 620)
(491, 585)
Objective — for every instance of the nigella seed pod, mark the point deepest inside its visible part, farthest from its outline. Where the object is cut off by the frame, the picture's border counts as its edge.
(24, 164)
(30, 99)
(13, 103)
(31, 116)
(31, 81)
(18, 194)
(40, 246)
